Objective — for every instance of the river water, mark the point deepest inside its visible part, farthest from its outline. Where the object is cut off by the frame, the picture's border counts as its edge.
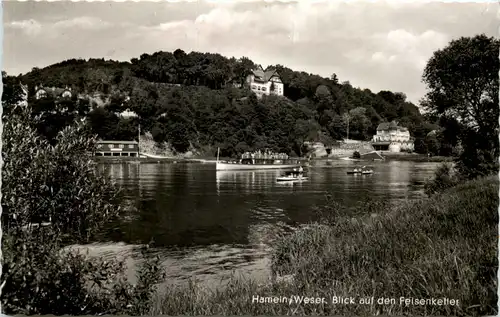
(211, 225)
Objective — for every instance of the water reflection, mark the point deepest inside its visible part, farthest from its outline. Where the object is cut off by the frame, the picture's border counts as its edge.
(245, 181)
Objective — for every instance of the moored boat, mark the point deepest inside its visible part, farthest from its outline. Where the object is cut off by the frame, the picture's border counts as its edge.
(259, 161)
(361, 171)
(292, 176)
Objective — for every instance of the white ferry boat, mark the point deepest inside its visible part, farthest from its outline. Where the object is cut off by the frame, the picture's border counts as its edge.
(259, 161)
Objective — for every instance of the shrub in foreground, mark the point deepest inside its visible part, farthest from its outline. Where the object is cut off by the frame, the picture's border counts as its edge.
(444, 178)
(53, 196)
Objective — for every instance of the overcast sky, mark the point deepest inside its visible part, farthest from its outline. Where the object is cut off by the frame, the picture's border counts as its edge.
(375, 45)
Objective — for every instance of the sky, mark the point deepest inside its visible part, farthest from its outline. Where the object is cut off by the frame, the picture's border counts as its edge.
(372, 44)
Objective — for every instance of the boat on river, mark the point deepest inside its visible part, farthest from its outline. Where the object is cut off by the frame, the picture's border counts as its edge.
(259, 161)
(361, 171)
(292, 176)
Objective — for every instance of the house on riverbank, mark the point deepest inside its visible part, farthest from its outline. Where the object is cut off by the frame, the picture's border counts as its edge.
(392, 138)
(117, 148)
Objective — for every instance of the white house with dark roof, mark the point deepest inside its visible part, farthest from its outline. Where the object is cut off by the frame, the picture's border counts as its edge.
(265, 82)
(392, 137)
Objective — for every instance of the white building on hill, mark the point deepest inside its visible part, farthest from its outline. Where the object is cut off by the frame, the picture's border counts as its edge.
(266, 82)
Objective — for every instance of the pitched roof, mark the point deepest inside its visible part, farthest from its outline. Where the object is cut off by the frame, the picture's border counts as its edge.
(116, 142)
(384, 126)
(54, 91)
(261, 75)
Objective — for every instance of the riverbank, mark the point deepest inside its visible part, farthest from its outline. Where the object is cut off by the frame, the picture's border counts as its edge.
(392, 156)
(432, 248)
(415, 157)
(145, 160)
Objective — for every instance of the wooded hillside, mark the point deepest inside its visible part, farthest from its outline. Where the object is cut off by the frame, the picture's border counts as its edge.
(189, 100)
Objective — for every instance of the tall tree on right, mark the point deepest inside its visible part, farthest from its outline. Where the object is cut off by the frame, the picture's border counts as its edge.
(462, 82)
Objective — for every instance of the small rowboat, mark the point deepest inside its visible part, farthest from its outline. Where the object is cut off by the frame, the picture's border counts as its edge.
(292, 177)
(360, 171)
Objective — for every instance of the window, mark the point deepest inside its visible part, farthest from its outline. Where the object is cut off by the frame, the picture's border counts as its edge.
(254, 87)
(99, 146)
(121, 146)
(263, 88)
(258, 88)
(130, 146)
(111, 146)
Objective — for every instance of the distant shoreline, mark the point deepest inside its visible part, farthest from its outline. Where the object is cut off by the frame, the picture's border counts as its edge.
(410, 157)
(416, 157)
(388, 157)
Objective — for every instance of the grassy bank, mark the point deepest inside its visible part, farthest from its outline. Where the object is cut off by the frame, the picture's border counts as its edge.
(440, 247)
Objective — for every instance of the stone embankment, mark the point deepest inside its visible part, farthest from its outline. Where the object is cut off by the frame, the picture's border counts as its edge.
(345, 149)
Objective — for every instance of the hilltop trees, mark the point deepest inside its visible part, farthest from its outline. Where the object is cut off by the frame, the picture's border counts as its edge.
(462, 80)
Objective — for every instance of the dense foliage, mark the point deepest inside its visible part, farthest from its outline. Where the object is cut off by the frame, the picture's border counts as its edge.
(462, 82)
(190, 100)
(52, 196)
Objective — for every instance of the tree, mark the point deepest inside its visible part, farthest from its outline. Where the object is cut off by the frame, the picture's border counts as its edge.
(305, 130)
(466, 87)
(358, 123)
(347, 121)
(242, 69)
(103, 123)
(432, 143)
(334, 78)
(53, 115)
(462, 80)
(12, 94)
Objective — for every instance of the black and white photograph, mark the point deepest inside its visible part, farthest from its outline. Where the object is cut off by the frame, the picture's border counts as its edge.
(250, 158)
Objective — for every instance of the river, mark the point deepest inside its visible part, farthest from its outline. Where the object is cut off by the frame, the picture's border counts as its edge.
(210, 225)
